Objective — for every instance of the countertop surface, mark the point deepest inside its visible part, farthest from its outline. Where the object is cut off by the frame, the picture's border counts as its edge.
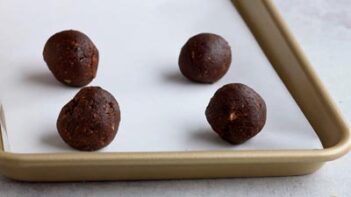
(323, 28)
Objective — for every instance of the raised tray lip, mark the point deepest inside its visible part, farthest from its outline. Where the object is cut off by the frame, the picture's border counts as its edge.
(183, 157)
(203, 157)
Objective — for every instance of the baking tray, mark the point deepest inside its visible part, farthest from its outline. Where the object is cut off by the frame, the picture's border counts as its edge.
(296, 73)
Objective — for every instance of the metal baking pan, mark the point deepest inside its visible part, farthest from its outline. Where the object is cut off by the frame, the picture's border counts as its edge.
(293, 69)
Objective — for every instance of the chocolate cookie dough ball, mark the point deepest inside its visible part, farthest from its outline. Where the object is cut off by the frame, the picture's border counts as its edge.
(236, 113)
(90, 120)
(205, 58)
(71, 57)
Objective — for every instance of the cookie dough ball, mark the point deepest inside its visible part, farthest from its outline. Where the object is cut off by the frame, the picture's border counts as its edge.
(236, 113)
(90, 120)
(71, 57)
(205, 58)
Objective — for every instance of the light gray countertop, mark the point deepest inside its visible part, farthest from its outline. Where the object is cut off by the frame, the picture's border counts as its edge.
(323, 28)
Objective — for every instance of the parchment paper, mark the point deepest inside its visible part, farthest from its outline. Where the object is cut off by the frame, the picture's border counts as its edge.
(139, 44)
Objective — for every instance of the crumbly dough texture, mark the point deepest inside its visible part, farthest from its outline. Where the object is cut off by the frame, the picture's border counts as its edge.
(71, 57)
(90, 120)
(205, 58)
(236, 113)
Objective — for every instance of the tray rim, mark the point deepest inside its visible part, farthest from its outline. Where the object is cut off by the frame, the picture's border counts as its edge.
(10, 161)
